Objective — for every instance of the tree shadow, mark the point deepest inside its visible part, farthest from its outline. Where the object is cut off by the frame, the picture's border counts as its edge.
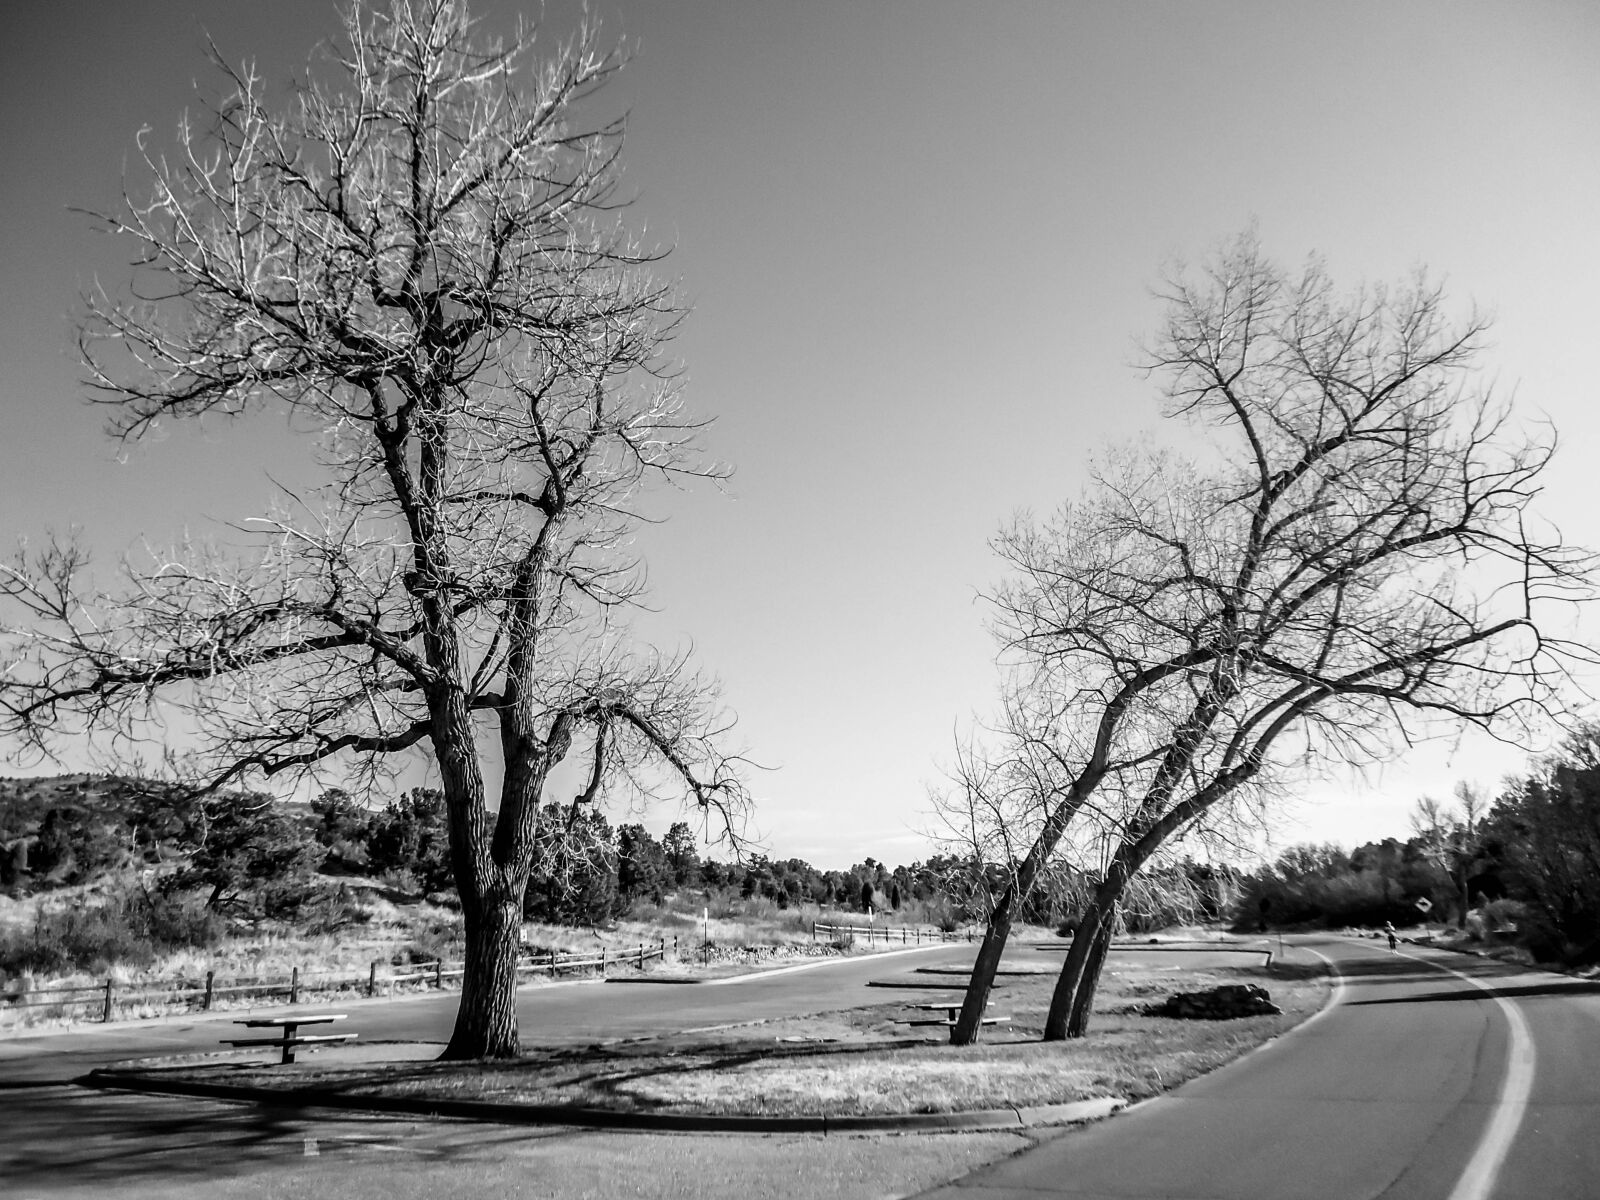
(82, 1137)
(1490, 990)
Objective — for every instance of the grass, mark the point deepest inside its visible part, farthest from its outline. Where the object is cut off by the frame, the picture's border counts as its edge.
(853, 1061)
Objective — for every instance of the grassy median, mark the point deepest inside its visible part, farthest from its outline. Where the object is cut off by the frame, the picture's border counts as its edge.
(852, 1062)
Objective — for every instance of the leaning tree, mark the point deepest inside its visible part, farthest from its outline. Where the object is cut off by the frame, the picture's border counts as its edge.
(417, 256)
(1351, 563)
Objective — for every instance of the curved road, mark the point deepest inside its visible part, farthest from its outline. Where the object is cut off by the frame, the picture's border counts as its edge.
(565, 1013)
(1433, 1076)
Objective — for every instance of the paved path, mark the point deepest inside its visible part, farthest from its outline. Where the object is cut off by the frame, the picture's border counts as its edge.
(572, 1013)
(1436, 1076)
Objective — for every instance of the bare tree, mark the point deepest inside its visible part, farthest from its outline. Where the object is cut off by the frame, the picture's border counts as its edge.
(1352, 565)
(419, 259)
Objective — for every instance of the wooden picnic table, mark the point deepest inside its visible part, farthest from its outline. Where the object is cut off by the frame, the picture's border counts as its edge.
(951, 1010)
(290, 1040)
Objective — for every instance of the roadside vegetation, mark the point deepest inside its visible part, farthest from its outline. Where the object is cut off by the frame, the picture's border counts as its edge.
(1522, 877)
(112, 875)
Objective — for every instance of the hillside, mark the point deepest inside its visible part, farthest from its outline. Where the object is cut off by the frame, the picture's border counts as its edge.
(62, 830)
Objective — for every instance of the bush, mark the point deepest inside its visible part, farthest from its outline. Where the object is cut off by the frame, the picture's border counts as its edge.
(128, 930)
(180, 922)
(437, 941)
(76, 939)
(1503, 916)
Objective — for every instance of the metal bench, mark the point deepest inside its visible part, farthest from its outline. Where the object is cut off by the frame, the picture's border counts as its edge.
(288, 1040)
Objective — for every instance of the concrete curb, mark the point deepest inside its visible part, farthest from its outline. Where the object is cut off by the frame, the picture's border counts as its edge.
(113, 1079)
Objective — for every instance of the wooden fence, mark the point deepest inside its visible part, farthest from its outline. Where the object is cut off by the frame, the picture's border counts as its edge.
(905, 935)
(103, 999)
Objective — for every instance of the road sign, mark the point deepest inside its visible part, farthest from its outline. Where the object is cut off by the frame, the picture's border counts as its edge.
(1424, 905)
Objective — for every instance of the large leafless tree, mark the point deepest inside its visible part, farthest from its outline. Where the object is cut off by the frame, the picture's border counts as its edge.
(417, 254)
(1351, 562)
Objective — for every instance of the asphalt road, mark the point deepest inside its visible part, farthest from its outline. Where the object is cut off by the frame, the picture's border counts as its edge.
(1435, 1076)
(562, 1013)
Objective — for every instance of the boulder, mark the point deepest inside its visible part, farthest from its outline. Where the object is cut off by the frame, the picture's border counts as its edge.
(1224, 1003)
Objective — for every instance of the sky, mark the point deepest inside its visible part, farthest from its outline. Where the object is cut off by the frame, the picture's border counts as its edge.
(920, 241)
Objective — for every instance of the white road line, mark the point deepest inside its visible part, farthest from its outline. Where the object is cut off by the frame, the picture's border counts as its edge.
(824, 962)
(1334, 1000)
(1477, 1178)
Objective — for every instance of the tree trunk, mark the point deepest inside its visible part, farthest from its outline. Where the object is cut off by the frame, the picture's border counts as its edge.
(1072, 972)
(486, 1022)
(970, 1023)
(1083, 1002)
(965, 1031)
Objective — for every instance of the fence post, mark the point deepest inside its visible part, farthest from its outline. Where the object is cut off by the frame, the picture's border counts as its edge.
(372, 979)
(438, 974)
(552, 964)
(205, 1005)
(602, 962)
(106, 1016)
(663, 949)
(641, 956)
(294, 985)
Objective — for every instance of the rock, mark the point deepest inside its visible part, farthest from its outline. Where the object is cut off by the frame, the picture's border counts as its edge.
(1224, 1003)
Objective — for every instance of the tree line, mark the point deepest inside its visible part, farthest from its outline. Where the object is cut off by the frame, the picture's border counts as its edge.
(249, 857)
(1528, 867)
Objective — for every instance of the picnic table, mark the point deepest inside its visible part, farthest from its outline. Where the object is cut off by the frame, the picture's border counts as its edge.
(951, 1009)
(289, 1040)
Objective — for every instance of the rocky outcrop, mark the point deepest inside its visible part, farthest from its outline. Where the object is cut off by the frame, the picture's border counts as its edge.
(1223, 1003)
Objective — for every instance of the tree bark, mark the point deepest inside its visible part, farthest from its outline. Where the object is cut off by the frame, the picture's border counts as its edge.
(968, 1025)
(486, 1021)
(1072, 972)
(1083, 1002)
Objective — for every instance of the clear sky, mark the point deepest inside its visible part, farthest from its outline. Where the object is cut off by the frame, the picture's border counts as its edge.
(919, 238)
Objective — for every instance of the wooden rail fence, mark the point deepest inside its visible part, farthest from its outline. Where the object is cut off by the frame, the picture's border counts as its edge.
(103, 999)
(905, 935)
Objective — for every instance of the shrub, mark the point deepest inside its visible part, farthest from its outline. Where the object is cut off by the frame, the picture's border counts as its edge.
(82, 939)
(1503, 916)
(180, 922)
(437, 941)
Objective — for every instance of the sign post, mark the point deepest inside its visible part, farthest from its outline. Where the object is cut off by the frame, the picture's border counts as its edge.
(1425, 906)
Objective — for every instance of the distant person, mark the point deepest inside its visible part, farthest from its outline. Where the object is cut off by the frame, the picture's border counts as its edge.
(1388, 932)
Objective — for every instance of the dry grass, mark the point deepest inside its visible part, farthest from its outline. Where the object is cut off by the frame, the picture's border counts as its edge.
(744, 935)
(856, 1061)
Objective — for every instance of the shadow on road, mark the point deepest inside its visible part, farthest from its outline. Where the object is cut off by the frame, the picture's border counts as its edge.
(1553, 988)
(64, 1137)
